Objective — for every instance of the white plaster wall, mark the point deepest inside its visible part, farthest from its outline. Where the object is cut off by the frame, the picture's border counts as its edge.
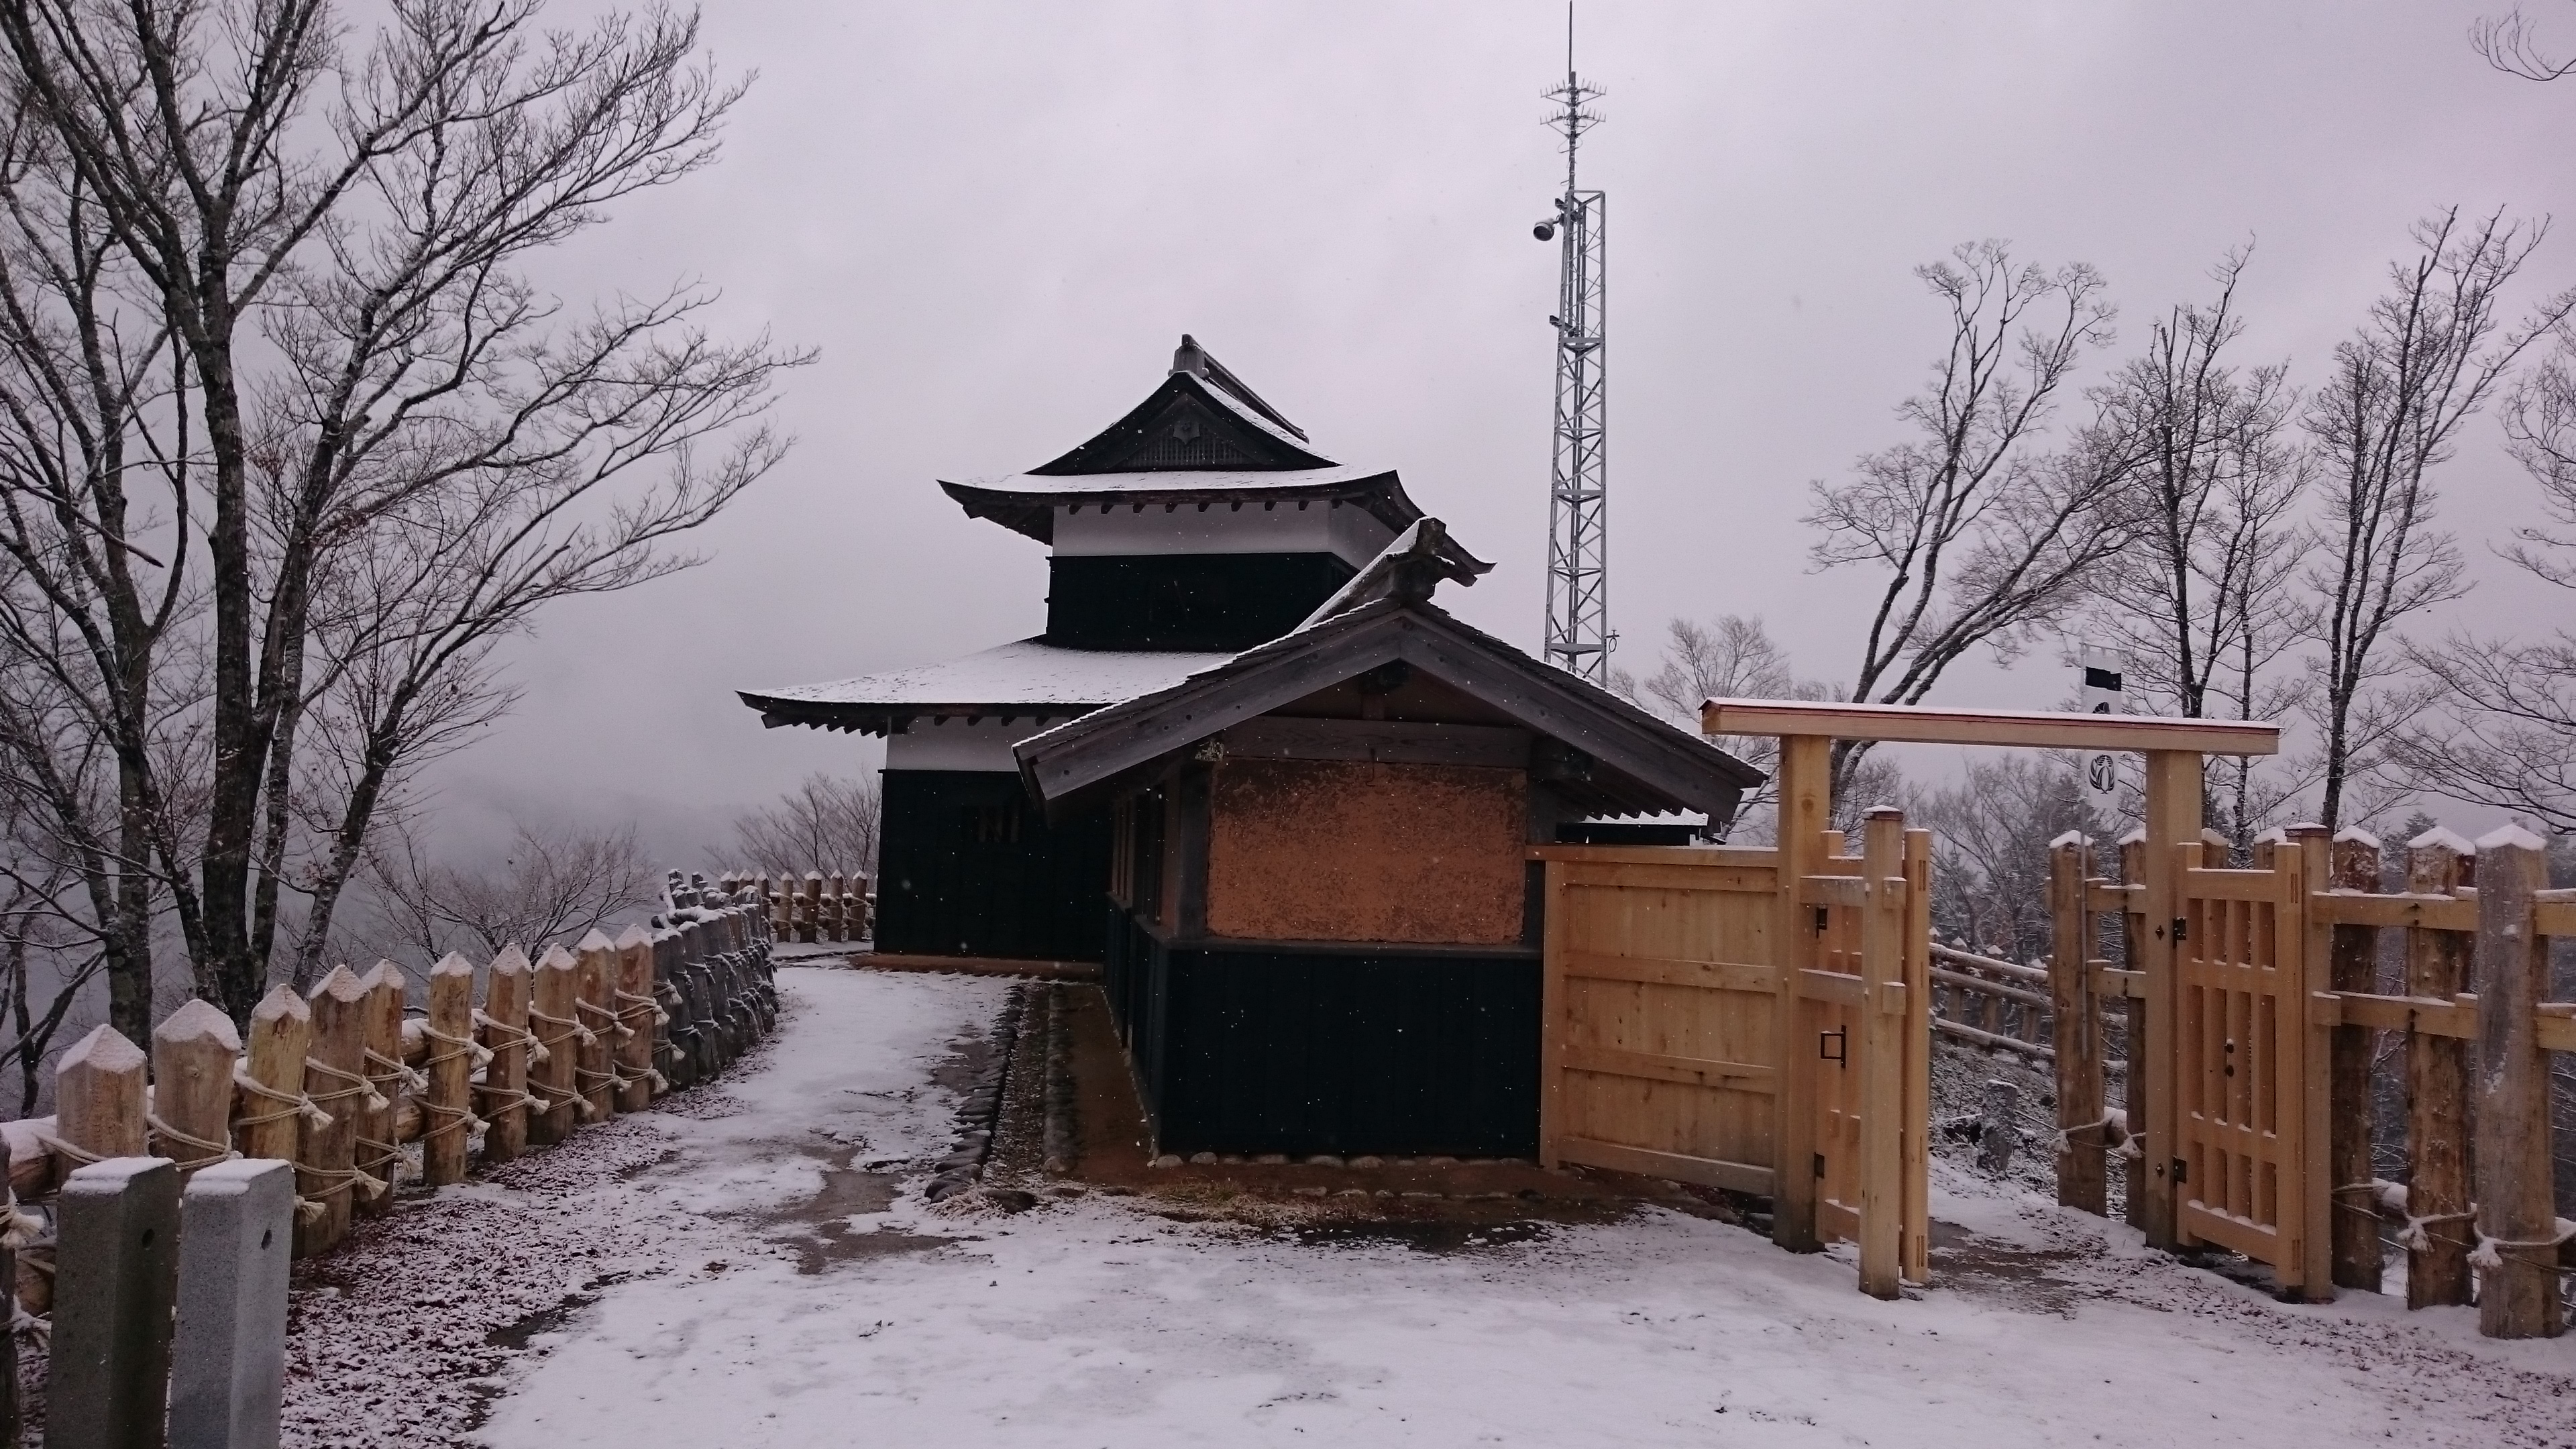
(954, 744)
(1345, 529)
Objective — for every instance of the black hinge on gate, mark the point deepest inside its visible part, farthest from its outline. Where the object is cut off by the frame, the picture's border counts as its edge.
(1820, 1164)
(2181, 1172)
(2181, 930)
(1820, 920)
(1840, 1040)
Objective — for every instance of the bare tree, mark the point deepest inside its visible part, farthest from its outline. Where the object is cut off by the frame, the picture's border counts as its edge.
(553, 883)
(827, 823)
(1991, 836)
(2511, 43)
(282, 281)
(2508, 737)
(2434, 349)
(2200, 603)
(1982, 533)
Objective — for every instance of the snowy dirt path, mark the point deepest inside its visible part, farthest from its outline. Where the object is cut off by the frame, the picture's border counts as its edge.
(768, 1284)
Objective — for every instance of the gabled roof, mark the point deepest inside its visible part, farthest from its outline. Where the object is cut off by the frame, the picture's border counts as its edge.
(1031, 679)
(1200, 437)
(1612, 757)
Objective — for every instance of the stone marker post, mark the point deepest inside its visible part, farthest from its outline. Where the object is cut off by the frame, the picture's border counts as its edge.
(229, 1370)
(117, 1239)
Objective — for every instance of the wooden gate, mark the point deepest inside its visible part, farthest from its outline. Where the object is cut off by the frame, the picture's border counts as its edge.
(1713, 1017)
(2248, 1074)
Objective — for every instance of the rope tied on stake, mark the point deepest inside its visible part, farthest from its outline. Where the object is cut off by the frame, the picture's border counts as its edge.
(56, 1144)
(213, 1151)
(337, 1180)
(296, 1103)
(2489, 1253)
(2413, 1238)
(457, 1046)
(402, 1072)
(357, 1085)
(512, 1036)
(609, 1020)
(660, 1017)
(449, 1118)
(573, 1030)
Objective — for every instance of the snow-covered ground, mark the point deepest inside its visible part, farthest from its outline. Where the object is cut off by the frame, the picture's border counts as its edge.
(769, 1276)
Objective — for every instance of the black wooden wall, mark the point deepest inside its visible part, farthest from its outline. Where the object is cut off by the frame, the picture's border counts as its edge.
(1303, 1050)
(968, 867)
(1228, 601)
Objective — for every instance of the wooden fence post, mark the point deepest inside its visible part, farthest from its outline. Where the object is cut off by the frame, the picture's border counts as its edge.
(327, 1148)
(558, 1030)
(1916, 1118)
(1805, 811)
(505, 1035)
(807, 914)
(2133, 1017)
(192, 1086)
(1882, 1056)
(447, 1108)
(379, 1145)
(2437, 1088)
(272, 1077)
(2082, 1182)
(2173, 809)
(637, 1014)
(594, 1000)
(98, 1098)
(2517, 1251)
(2354, 967)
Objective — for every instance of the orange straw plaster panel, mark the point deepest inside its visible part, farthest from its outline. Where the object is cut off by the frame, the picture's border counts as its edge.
(1346, 850)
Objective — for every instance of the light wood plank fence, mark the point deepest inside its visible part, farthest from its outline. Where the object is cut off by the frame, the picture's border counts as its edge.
(820, 906)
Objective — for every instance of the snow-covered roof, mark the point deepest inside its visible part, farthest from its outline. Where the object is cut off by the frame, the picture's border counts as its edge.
(1030, 677)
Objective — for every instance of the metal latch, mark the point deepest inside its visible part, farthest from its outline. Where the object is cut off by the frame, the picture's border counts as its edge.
(2181, 930)
(2181, 1172)
(1840, 1037)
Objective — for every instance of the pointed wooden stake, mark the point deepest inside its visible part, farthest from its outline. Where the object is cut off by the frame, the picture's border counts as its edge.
(192, 1086)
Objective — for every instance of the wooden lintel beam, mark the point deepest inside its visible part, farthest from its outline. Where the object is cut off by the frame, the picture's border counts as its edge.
(2111, 981)
(2102, 897)
(2427, 912)
(2029, 728)
(1849, 891)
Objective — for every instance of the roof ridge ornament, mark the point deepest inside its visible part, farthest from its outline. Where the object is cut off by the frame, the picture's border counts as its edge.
(1406, 570)
(1198, 362)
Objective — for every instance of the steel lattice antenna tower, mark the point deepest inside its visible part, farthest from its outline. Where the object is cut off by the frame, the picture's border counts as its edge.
(1578, 546)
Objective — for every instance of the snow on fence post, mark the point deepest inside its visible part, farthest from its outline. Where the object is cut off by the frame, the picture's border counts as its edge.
(272, 1100)
(2517, 1252)
(505, 1075)
(379, 1139)
(447, 1107)
(2438, 1209)
(327, 1147)
(2354, 958)
(594, 988)
(98, 1099)
(558, 1032)
(118, 1234)
(192, 1086)
(2082, 1182)
(636, 1016)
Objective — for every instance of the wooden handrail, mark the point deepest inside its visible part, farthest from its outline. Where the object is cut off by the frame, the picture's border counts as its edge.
(2044, 729)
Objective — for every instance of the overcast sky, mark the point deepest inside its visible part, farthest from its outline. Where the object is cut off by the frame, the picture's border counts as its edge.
(996, 220)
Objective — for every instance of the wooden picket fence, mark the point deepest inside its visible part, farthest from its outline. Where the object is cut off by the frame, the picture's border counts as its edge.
(820, 906)
(346, 1081)
(2265, 1076)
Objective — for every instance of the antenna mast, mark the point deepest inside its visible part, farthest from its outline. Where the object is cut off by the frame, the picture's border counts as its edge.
(1578, 548)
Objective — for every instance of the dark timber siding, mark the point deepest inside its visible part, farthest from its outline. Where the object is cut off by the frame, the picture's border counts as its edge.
(969, 868)
(1228, 601)
(1264, 1048)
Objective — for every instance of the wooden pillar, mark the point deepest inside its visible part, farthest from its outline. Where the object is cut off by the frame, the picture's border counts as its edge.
(557, 1032)
(272, 1086)
(505, 1077)
(2518, 1290)
(192, 1086)
(2082, 1182)
(2437, 1087)
(1917, 1120)
(1805, 812)
(379, 1153)
(595, 995)
(446, 1108)
(327, 1149)
(2173, 808)
(2133, 1016)
(98, 1097)
(2354, 966)
(636, 1016)
(810, 909)
(1882, 1054)
(2307, 1052)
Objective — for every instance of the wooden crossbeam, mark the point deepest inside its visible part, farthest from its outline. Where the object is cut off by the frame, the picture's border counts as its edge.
(2031, 728)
